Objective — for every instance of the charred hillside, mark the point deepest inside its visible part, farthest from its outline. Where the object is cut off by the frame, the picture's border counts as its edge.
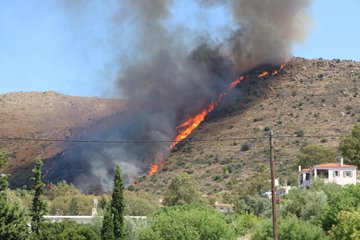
(309, 98)
(49, 115)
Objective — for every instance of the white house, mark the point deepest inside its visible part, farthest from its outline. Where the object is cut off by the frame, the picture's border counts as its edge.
(339, 173)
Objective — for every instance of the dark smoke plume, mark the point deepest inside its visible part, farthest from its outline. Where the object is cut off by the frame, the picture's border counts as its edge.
(173, 79)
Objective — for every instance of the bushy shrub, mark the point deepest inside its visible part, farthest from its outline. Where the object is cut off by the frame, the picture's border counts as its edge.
(187, 222)
(300, 133)
(140, 204)
(345, 199)
(133, 228)
(348, 226)
(290, 228)
(303, 203)
(67, 230)
(244, 223)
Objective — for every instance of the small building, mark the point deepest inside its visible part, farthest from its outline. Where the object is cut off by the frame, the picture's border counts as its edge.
(338, 173)
(224, 207)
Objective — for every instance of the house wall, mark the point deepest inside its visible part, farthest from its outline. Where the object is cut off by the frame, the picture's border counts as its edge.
(340, 180)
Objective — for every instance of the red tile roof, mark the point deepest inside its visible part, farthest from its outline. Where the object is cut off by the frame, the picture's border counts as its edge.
(334, 165)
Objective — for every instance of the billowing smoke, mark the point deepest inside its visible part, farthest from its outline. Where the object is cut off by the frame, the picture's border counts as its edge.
(173, 74)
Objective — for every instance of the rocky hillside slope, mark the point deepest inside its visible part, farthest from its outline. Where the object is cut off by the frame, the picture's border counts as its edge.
(310, 102)
(47, 115)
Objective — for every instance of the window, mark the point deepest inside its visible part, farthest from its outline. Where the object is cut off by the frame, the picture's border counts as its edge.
(307, 176)
(301, 179)
(347, 173)
(336, 173)
(322, 173)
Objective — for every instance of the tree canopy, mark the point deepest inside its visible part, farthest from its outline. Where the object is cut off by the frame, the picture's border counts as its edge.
(187, 222)
(350, 146)
(182, 190)
(315, 154)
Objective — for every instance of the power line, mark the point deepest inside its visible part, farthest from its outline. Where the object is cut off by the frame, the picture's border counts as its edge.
(18, 139)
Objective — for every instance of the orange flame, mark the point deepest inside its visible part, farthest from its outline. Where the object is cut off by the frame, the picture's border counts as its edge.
(263, 74)
(188, 126)
(192, 123)
(236, 82)
(153, 169)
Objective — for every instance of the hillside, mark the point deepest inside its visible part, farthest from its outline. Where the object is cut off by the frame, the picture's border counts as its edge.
(316, 97)
(47, 115)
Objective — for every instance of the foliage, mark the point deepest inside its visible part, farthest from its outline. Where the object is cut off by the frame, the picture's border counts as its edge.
(107, 231)
(12, 221)
(257, 205)
(38, 207)
(117, 205)
(72, 205)
(348, 226)
(61, 189)
(304, 203)
(67, 230)
(315, 154)
(4, 184)
(182, 190)
(140, 204)
(187, 222)
(133, 227)
(350, 146)
(290, 228)
(245, 223)
(12, 217)
(345, 199)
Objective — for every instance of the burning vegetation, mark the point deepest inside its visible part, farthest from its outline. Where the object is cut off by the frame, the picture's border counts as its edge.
(179, 77)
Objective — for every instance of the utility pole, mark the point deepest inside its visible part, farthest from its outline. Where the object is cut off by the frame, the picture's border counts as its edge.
(273, 191)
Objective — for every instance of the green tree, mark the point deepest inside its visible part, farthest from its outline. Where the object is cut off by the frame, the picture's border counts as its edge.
(140, 204)
(74, 207)
(182, 190)
(290, 228)
(350, 146)
(107, 230)
(315, 154)
(345, 199)
(304, 204)
(38, 207)
(117, 205)
(67, 230)
(12, 217)
(348, 226)
(187, 222)
(61, 189)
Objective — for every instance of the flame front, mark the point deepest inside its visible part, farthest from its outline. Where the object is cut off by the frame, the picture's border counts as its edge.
(188, 126)
(153, 169)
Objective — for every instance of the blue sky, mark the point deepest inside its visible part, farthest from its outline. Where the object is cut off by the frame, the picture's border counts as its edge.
(43, 47)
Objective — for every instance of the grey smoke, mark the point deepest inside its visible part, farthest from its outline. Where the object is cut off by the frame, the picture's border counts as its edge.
(173, 79)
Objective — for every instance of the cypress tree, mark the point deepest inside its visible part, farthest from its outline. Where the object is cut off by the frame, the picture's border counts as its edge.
(38, 205)
(117, 205)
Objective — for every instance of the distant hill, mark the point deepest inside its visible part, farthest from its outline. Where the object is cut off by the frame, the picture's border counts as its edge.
(310, 97)
(47, 115)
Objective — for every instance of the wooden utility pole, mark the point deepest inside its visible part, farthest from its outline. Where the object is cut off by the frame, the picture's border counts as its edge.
(273, 190)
